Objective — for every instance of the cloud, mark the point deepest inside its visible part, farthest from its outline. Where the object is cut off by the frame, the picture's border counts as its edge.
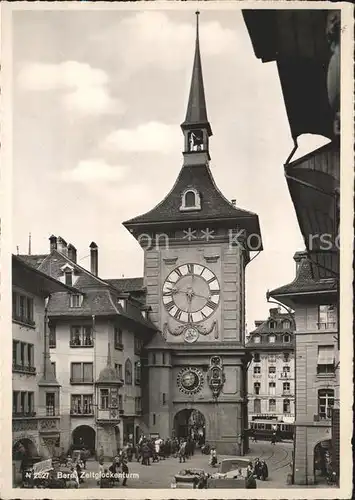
(93, 171)
(148, 137)
(153, 39)
(85, 89)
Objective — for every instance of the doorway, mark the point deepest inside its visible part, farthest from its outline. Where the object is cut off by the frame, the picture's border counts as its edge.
(84, 435)
(190, 423)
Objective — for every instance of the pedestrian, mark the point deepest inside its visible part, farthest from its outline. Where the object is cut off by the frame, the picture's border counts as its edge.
(257, 469)
(250, 482)
(213, 457)
(125, 471)
(264, 470)
(74, 477)
(182, 452)
(115, 470)
(145, 454)
(273, 438)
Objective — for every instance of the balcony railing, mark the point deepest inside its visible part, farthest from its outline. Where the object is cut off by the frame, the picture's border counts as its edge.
(81, 380)
(81, 343)
(24, 368)
(330, 325)
(82, 412)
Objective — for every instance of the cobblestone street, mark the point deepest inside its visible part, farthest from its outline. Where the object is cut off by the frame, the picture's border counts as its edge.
(160, 475)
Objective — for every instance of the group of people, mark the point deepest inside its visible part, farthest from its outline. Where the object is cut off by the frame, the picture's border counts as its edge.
(150, 450)
(110, 476)
(258, 470)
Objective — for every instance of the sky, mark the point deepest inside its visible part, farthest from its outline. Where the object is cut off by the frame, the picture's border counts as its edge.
(98, 99)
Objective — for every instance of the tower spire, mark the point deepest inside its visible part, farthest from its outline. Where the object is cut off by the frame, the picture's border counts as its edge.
(196, 127)
(196, 113)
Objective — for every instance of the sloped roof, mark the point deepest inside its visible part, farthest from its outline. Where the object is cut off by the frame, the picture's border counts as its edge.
(33, 260)
(127, 284)
(213, 204)
(304, 281)
(94, 303)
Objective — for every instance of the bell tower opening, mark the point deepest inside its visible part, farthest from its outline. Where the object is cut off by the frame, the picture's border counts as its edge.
(196, 127)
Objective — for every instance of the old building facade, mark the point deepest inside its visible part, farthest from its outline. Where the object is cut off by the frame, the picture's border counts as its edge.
(35, 390)
(96, 341)
(317, 375)
(196, 248)
(271, 372)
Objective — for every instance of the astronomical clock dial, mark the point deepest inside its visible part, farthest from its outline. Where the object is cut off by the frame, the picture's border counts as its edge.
(191, 293)
(190, 380)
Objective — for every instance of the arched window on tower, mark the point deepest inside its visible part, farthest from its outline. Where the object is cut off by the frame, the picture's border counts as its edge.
(196, 140)
(190, 200)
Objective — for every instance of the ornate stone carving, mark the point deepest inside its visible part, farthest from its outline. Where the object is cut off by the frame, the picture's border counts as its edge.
(216, 376)
(179, 330)
(24, 425)
(48, 424)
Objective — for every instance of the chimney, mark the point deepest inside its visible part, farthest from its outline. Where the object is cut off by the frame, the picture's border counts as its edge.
(234, 202)
(274, 312)
(62, 246)
(52, 243)
(72, 252)
(94, 258)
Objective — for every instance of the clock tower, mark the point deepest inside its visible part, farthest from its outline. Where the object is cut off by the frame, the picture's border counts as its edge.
(196, 247)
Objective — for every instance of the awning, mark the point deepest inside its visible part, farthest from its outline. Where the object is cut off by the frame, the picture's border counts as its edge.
(297, 41)
(313, 181)
(325, 355)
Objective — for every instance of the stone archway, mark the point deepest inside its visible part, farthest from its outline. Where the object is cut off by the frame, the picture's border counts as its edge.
(190, 423)
(24, 448)
(84, 435)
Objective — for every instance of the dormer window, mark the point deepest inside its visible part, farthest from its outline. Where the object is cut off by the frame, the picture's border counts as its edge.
(286, 324)
(76, 300)
(122, 303)
(256, 339)
(272, 339)
(68, 272)
(68, 275)
(272, 325)
(190, 200)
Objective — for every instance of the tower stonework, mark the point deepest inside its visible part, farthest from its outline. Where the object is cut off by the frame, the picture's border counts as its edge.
(196, 247)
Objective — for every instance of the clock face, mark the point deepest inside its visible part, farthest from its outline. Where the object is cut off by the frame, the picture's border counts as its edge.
(190, 380)
(191, 293)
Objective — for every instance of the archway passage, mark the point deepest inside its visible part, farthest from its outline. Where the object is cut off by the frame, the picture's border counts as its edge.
(84, 436)
(24, 449)
(190, 423)
(322, 460)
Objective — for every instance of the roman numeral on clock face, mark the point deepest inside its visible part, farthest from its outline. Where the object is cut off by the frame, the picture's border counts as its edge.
(190, 268)
(177, 314)
(214, 292)
(170, 305)
(211, 305)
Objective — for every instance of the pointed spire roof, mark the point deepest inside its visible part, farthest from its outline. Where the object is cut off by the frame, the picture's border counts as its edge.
(108, 375)
(196, 113)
